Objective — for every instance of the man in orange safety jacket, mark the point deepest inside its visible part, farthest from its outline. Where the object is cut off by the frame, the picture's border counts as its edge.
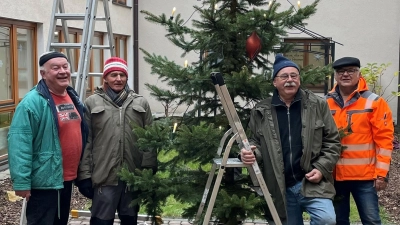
(363, 166)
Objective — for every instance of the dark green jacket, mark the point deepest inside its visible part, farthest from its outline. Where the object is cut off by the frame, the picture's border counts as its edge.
(111, 142)
(321, 147)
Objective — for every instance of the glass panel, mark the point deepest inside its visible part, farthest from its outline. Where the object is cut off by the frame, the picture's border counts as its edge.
(72, 59)
(56, 39)
(72, 39)
(297, 54)
(25, 63)
(122, 46)
(316, 56)
(97, 64)
(5, 120)
(5, 64)
(122, 2)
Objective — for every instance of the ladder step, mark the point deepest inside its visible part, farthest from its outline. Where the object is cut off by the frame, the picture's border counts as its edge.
(77, 45)
(75, 16)
(101, 47)
(70, 16)
(89, 74)
(66, 45)
(232, 162)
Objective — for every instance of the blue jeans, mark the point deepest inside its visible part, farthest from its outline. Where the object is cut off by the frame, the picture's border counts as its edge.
(366, 199)
(320, 209)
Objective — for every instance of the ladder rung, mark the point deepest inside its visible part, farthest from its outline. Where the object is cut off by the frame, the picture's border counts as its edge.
(96, 74)
(70, 16)
(89, 74)
(66, 45)
(100, 46)
(101, 18)
(232, 162)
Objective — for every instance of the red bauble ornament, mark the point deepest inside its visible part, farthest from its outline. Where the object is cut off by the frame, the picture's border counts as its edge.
(253, 45)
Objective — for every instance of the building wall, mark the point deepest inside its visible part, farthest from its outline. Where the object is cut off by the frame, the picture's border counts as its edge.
(39, 11)
(367, 29)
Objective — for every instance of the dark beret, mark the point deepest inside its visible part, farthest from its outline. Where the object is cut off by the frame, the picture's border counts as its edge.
(50, 55)
(346, 61)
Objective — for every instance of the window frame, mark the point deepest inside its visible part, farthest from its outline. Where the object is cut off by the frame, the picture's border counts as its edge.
(307, 44)
(12, 103)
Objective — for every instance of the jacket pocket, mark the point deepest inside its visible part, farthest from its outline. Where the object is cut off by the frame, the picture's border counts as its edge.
(137, 115)
(149, 160)
(318, 136)
(45, 170)
(138, 108)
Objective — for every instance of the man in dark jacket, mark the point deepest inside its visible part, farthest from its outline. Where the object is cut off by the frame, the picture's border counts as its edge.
(297, 144)
(112, 111)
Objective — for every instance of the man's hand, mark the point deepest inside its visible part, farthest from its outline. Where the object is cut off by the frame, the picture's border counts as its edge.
(314, 176)
(24, 194)
(380, 184)
(247, 156)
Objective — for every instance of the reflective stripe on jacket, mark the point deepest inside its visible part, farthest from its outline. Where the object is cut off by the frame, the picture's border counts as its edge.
(368, 148)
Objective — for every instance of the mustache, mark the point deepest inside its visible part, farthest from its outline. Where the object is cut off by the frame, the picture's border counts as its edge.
(290, 84)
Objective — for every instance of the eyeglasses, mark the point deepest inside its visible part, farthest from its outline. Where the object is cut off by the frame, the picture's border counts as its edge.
(285, 76)
(349, 71)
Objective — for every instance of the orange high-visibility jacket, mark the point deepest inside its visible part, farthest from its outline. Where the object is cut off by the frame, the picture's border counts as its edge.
(369, 146)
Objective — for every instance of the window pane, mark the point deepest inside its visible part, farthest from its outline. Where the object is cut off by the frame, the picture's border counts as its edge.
(5, 120)
(5, 64)
(317, 55)
(122, 46)
(25, 63)
(56, 39)
(97, 65)
(122, 2)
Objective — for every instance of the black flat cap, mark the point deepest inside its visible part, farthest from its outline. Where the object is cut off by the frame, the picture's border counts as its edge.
(50, 55)
(346, 61)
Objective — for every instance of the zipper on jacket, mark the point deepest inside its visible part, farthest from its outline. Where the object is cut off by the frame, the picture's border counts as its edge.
(120, 116)
(290, 143)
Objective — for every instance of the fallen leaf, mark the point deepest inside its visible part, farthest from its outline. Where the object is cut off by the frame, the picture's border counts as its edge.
(12, 197)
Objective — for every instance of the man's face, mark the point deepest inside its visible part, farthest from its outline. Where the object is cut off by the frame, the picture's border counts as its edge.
(56, 73)
(347, 76)
(116, 80)
(287, 81)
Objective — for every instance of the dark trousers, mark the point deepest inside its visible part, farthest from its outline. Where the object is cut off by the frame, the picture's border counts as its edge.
(42, 207)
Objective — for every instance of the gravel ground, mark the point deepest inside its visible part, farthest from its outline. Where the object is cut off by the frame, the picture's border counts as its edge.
(10, 211)
(389, 198)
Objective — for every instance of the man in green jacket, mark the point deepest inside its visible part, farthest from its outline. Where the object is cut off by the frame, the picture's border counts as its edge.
(297, 144)
(45, 143)
(112, 111)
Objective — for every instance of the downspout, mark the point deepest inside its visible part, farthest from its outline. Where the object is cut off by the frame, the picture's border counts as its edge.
(136, 46)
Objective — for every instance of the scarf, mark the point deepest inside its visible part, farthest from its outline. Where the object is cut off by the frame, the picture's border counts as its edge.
(117, 98)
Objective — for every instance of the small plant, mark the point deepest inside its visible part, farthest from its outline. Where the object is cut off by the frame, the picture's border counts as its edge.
(373, 74)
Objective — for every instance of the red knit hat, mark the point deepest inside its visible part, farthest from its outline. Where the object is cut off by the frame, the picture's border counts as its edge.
(115, 64)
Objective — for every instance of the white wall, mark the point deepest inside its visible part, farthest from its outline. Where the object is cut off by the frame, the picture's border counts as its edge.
(152, 39)
(368, 30)
(39, 11)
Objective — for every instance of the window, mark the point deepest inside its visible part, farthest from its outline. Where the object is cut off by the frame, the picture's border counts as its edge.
(120, 2)
(311, 52)
(120, 46)
(96, 59)
(18, 70)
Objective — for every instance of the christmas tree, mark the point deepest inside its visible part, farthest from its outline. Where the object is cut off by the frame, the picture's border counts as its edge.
(234, 37)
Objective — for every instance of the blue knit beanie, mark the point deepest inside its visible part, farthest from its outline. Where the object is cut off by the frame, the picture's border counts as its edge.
(282, 62)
